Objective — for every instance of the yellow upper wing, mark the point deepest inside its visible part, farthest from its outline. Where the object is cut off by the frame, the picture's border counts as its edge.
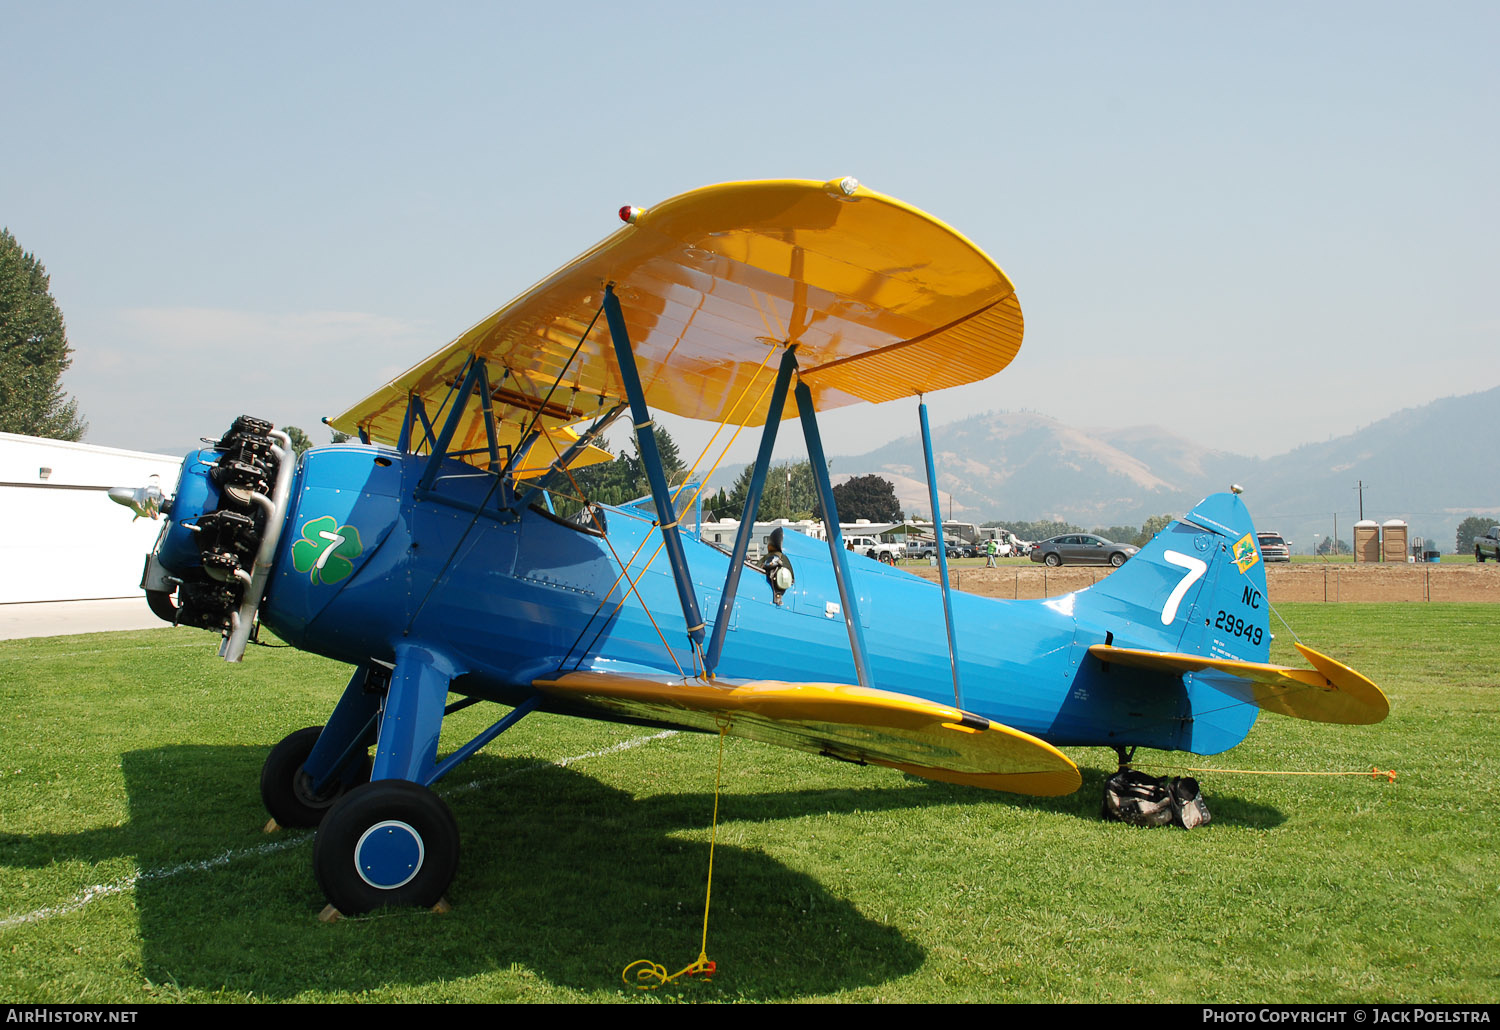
(857, 724)
(881, 300)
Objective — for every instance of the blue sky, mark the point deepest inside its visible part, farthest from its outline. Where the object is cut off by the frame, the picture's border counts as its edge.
(1254, 225)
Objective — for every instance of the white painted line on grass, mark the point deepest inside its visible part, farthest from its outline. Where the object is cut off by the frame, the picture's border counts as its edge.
(105, 890)
(120, 886)
(563, 763)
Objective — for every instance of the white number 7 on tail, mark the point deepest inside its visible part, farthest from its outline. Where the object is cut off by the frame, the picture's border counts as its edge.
(1195, 568)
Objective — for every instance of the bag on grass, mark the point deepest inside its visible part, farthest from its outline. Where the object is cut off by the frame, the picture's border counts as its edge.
(1140, 800)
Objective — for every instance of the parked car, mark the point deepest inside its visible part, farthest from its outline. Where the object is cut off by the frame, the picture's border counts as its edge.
(872, 548)
(1082, 549)
(1273, 547)
(1488, 545)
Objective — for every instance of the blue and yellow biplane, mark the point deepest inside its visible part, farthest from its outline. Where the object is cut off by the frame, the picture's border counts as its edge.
(431, 558)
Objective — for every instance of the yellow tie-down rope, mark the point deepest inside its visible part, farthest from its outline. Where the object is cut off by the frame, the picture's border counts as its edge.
(1375, 773)
(648, 975)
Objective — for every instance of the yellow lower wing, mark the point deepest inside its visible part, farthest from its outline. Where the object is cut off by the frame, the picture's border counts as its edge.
(927, 739)
(1328, 692)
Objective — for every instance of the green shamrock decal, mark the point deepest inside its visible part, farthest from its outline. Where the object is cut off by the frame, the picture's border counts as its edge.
(327, 550)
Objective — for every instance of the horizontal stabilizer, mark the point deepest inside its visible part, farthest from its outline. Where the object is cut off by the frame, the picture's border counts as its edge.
(920, 737)
(1328, 692)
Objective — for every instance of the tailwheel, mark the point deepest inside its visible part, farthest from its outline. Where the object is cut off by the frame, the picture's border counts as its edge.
(391, 842)
(286, 788)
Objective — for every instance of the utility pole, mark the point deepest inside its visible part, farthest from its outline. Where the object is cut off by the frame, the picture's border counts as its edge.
(1361, 500)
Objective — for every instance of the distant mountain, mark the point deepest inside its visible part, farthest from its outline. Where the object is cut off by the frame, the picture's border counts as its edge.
(1022, 465)
(1422, 465)
(1432, 466)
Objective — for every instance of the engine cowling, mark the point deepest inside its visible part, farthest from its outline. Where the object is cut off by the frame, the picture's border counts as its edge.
(219, 515)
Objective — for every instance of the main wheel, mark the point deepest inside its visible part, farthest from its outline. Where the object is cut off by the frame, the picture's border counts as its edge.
(1117, 559)
(390, 842)
(1053, 559)
(286, 788)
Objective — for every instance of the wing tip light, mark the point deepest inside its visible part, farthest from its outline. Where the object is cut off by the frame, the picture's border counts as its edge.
(842, 188)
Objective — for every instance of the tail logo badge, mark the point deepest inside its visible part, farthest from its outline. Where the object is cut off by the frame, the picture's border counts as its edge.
(1245, 553)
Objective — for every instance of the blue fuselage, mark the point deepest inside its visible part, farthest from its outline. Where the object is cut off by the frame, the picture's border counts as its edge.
(508, 593)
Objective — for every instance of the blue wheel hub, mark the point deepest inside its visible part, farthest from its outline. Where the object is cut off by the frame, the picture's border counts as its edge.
(389, 854)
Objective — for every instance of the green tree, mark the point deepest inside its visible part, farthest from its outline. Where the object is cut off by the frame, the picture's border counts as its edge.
(300, 442)
(33, 351)
(608, 482)
(1036, 530)
(789, 493)
(1122, 534)
(867, 497)
(1469, 528)
(671, 461)
(621, 480)
(1152, 526)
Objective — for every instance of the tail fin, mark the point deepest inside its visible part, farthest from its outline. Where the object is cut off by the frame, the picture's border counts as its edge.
(1191, 608)
(1199, 587)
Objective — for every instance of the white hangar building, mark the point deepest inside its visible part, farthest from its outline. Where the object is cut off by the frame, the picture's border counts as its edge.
(61, 537)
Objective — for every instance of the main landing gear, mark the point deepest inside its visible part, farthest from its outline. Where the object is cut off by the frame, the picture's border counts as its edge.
(390, 842)
(384, 838)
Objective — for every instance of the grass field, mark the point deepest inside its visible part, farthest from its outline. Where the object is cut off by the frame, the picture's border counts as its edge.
(133, 866)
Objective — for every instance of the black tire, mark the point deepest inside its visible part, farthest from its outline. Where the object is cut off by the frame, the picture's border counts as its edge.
(286, 789)
(165, 609)
(1054, 559)
(386, 843)
(1478, 555)
(888, 558)
(1117, 559)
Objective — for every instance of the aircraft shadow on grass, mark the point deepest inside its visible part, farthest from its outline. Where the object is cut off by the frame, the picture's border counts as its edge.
(561, 875)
